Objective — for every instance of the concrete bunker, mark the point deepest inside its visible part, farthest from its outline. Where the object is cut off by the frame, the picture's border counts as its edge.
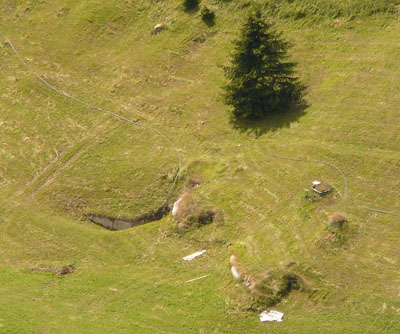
(321, 188)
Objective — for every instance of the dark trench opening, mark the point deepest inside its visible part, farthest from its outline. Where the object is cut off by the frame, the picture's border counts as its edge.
(117, 224)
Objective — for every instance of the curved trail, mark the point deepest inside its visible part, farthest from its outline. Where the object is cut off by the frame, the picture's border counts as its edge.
(179, 157)
(114, 114)
(343, 175)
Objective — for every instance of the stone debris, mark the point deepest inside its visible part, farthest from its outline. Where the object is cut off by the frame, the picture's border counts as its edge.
(234, 267)
(175, 208)
(159, 27)
(235, 272)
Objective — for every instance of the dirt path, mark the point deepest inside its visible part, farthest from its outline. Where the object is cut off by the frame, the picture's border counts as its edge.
(63, 160)
(62, 164)
(40, 174)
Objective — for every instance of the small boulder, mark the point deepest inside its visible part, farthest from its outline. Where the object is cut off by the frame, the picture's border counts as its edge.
(176, 206)
(234, 267)
(159, 27)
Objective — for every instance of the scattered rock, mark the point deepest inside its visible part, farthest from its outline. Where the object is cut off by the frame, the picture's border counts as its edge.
(235, 268)
(235, 272)
(61, 11)
(158, 28)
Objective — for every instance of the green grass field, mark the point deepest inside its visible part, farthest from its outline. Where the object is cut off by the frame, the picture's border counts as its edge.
(59, 160)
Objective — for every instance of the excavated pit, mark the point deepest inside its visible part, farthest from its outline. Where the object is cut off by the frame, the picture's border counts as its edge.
(117, 224)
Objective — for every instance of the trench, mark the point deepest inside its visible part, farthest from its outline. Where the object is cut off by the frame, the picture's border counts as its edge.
(117, 224)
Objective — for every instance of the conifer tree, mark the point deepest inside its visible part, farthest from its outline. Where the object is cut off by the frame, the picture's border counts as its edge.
(260, 81)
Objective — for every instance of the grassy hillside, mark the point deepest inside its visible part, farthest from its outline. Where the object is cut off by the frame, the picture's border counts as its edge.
(59, 160)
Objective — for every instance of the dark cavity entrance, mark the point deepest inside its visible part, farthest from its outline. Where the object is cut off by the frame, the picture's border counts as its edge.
(117, 224)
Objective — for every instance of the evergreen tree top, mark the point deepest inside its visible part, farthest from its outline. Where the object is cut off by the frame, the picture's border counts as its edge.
(260, 79)
(260, 45)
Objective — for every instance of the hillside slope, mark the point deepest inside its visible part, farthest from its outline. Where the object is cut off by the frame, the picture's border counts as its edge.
(60, 160)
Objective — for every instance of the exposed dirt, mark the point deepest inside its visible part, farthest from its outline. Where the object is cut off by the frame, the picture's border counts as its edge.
(271, 288)
(62, 161)
(68, 269)
(40, 173)
(337, 220)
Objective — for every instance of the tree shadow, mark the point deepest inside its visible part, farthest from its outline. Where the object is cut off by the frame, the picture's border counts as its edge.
(270, 123)
(209, 22)
(191, 6)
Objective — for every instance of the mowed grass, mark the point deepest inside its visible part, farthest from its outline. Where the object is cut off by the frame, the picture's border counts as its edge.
(59, 160)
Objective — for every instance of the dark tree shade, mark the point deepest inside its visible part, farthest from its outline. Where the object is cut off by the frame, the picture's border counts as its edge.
(207, 14)
(260, 81)
(191, 5)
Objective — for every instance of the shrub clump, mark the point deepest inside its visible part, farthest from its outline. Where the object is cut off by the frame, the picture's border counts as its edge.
(190, 214)
(271, 289)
